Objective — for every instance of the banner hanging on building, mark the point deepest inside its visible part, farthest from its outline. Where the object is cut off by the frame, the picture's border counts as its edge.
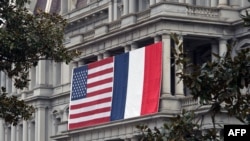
(119, 87)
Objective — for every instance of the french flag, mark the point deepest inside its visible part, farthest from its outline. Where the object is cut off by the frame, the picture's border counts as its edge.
(137, 81)
(116, 88)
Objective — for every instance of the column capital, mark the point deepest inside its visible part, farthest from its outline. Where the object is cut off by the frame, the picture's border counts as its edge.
(165, 36)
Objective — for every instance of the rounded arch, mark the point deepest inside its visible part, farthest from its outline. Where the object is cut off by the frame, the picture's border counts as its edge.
(245, 43)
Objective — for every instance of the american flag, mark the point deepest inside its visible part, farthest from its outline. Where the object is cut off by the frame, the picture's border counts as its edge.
(91, 94)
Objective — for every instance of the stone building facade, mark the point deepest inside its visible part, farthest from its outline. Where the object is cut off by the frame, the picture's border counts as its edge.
(103, 28)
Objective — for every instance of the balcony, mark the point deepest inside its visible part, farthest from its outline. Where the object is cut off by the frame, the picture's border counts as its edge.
(172, 11)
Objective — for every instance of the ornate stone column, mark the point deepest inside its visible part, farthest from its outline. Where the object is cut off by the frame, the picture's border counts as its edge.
(213, 3)
(179, 87)
(222, 47)
(40, 124)
(2, 132)
(25, 130)
(132, 6)
(166, 68)
(8, 85)
(110, 10)
(19, 133)
(14, 90)
(235, 3)
(151, 2)
(3, 79)
(13, 133)
(125, 7)
(40, 73)
(56, 73)
(115, 8)
(32, 133)
(67, 71)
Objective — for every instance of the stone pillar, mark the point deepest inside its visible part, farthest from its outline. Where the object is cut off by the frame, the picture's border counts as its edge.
(8, 85)
(19, 133)
(40, 73)
(191, 2)
(66, 73)
(25, 131)
(223, 3)
(215, 49)
(151, 2)
(166, 61)
(134, 46)
(132, 6)
(48, 5)
(3, 79)
(127, 48)
(125, 7)
(2, 132)
(110, 11)
(214, 3)
(179, 87)
(115, 8)
(222, 47)
(14, 90)
(41, 124)
(13, 133)
(235, 3)
(32, 75)
(32, 131)
(6, 137)
(56, 73)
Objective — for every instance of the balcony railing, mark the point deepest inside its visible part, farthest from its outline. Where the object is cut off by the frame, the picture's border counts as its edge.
(202, 11)
(188, 103)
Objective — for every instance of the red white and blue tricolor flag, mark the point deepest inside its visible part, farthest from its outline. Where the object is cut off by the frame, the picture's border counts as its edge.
(116, 88)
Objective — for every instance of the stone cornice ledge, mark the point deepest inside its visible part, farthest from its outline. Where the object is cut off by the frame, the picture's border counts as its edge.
(119, 122)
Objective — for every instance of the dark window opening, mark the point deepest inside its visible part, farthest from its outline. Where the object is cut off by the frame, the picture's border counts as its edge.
(90, 59)
(145, 42)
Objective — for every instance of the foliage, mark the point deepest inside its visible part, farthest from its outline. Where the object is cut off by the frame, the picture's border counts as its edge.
(26, 38)
(221, 83)
(180, 128)
(12, 108)
(224, 84)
